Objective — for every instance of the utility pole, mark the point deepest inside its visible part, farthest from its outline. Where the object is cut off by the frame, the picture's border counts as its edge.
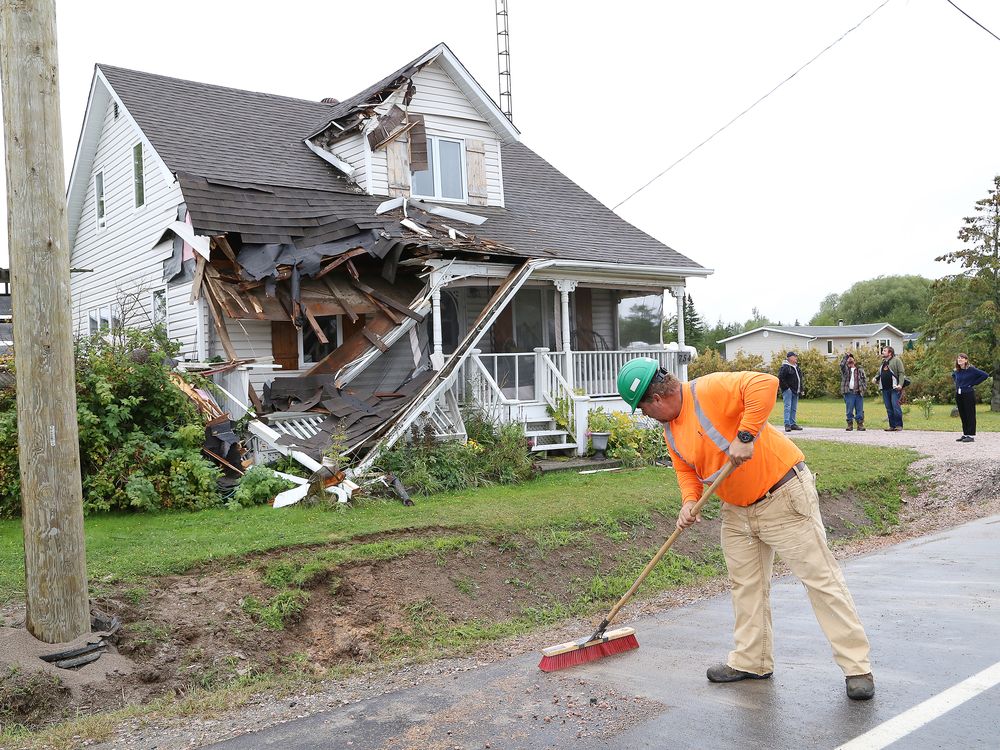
(55, 565)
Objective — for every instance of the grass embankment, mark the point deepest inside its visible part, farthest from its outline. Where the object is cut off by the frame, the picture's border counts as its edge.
(830, 412)
(131, 547)
(604, 526)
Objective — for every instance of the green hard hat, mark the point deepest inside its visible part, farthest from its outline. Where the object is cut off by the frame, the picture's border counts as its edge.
(634, 378)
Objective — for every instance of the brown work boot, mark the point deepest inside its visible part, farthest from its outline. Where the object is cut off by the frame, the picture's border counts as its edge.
(850, 425)
(861, 425)
(861, 687)
(725, 673)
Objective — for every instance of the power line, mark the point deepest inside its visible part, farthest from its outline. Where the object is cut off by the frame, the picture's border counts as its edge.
(973, 20)
(799, 70)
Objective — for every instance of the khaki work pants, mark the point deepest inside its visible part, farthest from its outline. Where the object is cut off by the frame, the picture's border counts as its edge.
(788, 522)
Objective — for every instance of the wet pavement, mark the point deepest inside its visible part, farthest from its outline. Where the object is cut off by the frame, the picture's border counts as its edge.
(931, 608)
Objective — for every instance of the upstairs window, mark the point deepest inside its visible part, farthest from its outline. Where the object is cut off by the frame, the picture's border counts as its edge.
(99, 200)
(444, 178)
(138, 177)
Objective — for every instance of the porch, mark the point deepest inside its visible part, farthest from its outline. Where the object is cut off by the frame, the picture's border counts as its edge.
(551, 393)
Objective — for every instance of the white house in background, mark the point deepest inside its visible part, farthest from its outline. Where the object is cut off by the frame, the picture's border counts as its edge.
(831, 341)
(361, 240)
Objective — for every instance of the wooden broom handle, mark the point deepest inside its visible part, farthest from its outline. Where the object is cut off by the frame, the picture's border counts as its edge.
(670, 540)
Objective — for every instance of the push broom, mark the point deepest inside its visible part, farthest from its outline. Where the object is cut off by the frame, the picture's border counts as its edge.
(606, 642)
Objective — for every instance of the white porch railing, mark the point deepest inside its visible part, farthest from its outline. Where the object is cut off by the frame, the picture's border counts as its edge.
(596, 372)
(477, 384)
(511, 387)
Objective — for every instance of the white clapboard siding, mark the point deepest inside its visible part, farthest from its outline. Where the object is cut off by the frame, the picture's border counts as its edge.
(252, 340)
(182, 319)
(352, 149)
(121, 259)
(447, 113)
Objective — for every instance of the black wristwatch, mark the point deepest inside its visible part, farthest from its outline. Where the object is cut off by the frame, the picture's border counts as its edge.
(745, 437)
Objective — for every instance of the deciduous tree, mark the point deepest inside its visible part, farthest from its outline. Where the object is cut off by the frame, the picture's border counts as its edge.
(965, 308)
(899, 300)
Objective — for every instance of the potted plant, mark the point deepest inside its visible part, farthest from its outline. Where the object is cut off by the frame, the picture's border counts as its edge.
(599, 430)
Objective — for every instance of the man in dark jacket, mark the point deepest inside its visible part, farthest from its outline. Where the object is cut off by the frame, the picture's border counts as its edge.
(791, 384)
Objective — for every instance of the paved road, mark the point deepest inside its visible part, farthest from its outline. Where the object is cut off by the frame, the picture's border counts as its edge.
(931, 607)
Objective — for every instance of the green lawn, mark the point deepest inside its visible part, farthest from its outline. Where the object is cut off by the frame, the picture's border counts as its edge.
(829, 412)
(128, 547)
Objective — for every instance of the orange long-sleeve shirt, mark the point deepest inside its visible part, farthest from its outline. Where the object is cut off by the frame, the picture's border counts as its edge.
(732, 401)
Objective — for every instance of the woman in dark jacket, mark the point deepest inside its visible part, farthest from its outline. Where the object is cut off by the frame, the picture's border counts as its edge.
(966, 379)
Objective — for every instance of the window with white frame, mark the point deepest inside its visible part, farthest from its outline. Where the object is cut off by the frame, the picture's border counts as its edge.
(882, 343)
(312, 347)
(159, 307)
(99, 200)
(138, 176)
(101, 320)
(444, 178)
(829, 346)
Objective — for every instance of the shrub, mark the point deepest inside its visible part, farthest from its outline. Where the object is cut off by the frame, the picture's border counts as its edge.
(599, 420)
(712, 361)
(632, 442)
(140, 437)
(493, 455)
(257, 487)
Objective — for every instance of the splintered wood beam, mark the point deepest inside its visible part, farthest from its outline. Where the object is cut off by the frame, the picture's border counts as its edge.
(387, 301)
(375, 339)
(220, 323)
(353, 347)
(255, 401)
(223, 244)
(341, 259)
(351, 269)
(314, 324)
(337, 298)
(199, 275)
(383, 309)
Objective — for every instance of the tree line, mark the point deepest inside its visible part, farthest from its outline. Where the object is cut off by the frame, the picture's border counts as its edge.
(957, 313)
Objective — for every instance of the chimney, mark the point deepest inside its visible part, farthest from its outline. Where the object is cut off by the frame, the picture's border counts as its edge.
(840, 322)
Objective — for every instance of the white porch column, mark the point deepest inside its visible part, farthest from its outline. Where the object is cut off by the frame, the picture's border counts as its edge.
(678, 294)
(437, 356)
(565, 286)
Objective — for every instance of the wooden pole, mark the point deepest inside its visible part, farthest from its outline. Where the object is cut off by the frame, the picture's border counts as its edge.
(55, 567)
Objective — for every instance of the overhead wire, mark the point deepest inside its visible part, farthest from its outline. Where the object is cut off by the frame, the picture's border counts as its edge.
(973, 20)
(765, 96)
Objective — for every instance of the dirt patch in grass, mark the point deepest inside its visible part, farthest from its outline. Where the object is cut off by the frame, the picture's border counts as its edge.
(374, 601)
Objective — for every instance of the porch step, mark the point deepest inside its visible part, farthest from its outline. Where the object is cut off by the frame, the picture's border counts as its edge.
(552, 447)
(544, 433)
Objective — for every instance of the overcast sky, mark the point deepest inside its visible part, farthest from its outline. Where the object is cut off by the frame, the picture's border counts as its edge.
(863, 164)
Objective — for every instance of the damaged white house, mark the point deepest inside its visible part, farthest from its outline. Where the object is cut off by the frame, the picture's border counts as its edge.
(394, 255)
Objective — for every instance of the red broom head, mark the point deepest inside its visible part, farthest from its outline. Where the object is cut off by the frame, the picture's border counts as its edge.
(572, 654)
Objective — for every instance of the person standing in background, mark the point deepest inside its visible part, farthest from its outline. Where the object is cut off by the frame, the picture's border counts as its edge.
(966, 379)
(890, 380)
(790, 383)
(852, 386)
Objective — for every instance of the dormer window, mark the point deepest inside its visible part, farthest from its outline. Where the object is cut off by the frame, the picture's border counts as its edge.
(444, 178)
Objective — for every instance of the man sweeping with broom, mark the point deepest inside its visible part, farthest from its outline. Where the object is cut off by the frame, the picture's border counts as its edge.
(769, 505)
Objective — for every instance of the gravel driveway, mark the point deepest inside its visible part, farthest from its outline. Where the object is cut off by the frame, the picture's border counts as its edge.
(939, 445)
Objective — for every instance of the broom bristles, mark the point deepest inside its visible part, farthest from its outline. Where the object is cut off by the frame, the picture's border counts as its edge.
(589, 653)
